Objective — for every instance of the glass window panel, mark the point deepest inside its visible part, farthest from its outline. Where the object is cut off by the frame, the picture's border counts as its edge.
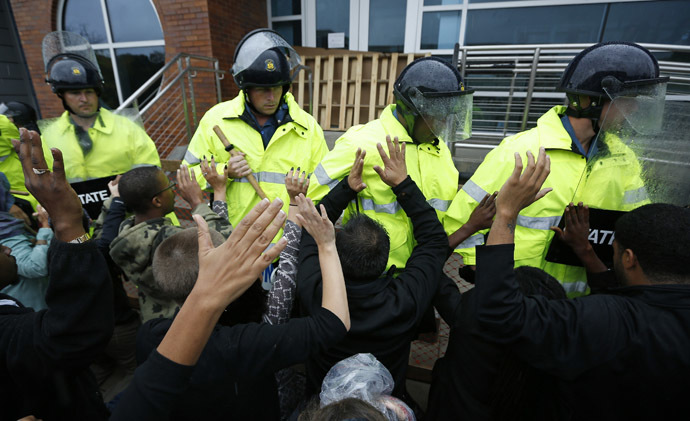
(290, 30)
(440, 29)
(109, 93)
(85, 17)
(332, 16)
(534, 25)
(659, 22)
(286, 7)
(133, 20)
(492, 1)
(387, 25)
(136, 66)
(441, 2)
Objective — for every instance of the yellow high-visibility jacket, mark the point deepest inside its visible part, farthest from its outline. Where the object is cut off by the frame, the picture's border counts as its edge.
(611, 180)
(9, 160)
(118, 146)
(429, 165)
(297, 142)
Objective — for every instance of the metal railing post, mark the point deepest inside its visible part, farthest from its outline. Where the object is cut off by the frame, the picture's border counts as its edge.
(184, 101)
(510, 99)
(217, 75)
(192, 99)
(530, 87)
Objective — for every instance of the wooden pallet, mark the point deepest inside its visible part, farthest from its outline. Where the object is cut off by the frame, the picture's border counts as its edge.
(349, 89)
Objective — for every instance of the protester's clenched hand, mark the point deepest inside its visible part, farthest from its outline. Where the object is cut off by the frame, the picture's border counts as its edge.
(188, 187)
(482, 216)
(576, 228)
(238, 166)
(318, 226)
(296, 183)
(524, 188)
(50, 188)
(394, 169)
(354, 179)
(113, 186)
(227, 271)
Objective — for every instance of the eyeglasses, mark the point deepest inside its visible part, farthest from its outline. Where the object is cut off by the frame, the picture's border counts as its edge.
(170, 186)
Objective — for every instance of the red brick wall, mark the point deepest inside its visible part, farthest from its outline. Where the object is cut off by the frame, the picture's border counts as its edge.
(202, 27)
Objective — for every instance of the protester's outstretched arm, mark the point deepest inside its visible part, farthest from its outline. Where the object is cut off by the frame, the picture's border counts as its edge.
(79, 319)
(225, 273)
(321, 229)
(280, 298)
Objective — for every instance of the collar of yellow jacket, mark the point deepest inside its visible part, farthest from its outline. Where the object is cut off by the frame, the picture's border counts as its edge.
(7, 129)
(104, 122)
(552, 134)
(297, 114)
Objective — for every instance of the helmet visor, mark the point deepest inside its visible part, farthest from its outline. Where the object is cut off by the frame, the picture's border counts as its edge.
(448, 114)
(649, 165)
(638, 108)
(259, 42)
(65, 44)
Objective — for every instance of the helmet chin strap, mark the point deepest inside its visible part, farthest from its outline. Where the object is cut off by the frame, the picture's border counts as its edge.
(409, 117)
(591, 112)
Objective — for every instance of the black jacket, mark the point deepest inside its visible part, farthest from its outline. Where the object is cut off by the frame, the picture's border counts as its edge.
(384, 313)
(45, 355)
(618, 356)
(234, 378)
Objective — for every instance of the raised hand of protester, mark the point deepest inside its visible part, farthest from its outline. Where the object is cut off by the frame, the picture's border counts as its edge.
(524, 187)
(217, 181)
(482, 216)
(42, 217)
(227, 271)
(113, 186)
(188, 187)
(318, 225)
(296, 183)
(238, 166)
(519, 191)
(354, 179)
(576, 228)
(50, 188)
(394, 169)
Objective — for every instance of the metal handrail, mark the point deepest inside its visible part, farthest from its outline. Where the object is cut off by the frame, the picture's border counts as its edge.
(159, 74)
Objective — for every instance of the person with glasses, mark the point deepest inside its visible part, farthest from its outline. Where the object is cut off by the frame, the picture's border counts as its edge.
(150, 195)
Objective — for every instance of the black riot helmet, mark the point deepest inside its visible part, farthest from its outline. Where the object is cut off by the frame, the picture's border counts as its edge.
(71, 72)
(264, 59)
(268, 70)
(23, 115)
(432, 89)
(605, 71)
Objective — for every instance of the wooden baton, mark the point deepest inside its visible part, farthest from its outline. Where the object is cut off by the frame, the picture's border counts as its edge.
(231, 149)
(19, 192)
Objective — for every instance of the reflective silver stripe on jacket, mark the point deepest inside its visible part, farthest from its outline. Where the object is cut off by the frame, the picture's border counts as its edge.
(190, 158)
(391, 208)
(439, 204)
(264, 177)
(477, 193)
(635, 196)
(538, 222)
(3, 158)
(323, 178)
(578, 286)
(473, 241)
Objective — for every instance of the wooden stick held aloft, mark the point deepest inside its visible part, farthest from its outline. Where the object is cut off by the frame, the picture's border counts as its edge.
(233, 152)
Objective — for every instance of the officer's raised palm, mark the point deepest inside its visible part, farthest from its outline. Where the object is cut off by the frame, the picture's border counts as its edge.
(394, 171)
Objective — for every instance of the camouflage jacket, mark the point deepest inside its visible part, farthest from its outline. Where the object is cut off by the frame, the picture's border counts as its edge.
(133, 248)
